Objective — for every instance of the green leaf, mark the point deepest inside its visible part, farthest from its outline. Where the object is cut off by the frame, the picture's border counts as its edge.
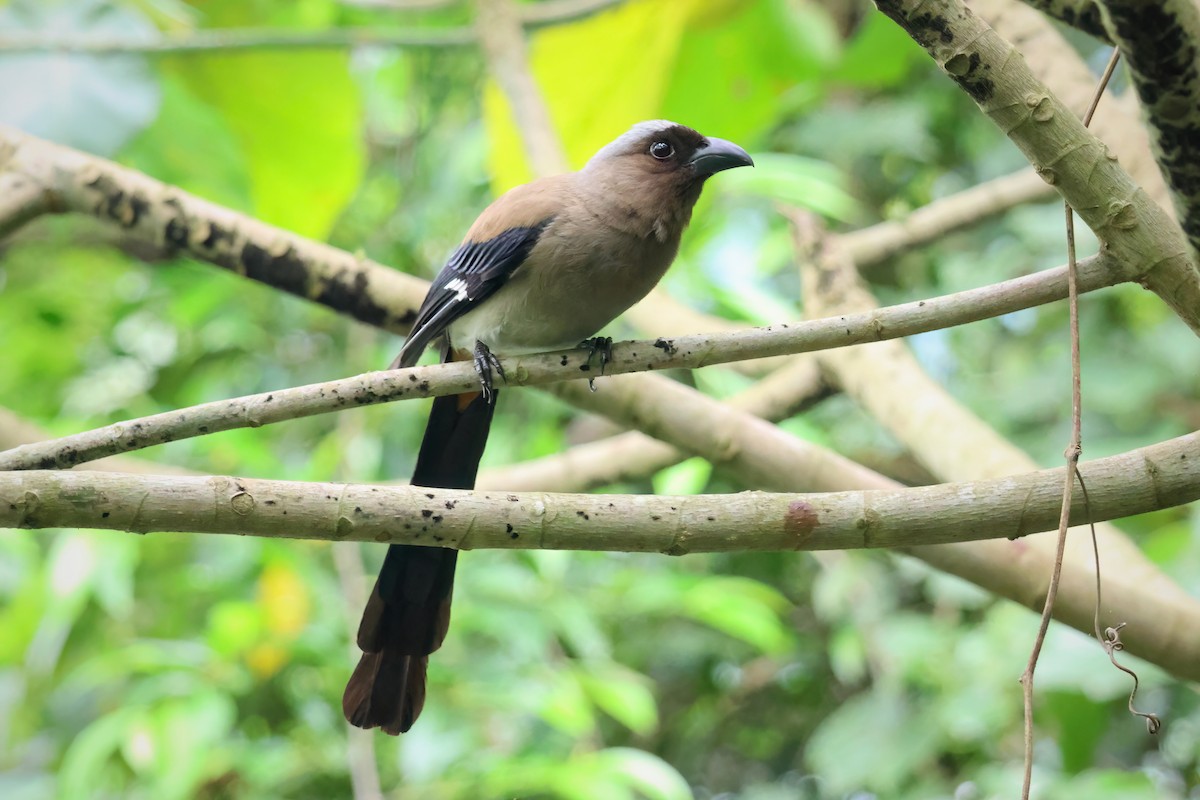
(1108, 785)
(234, 625)
(567, 707)
(85, 765)
(743, 608)
(795, 180)
(188, 734)
(881, 54)
(168, 149)
(1082, 723)
(874, 741)
(647, 773)
(622, 694)
(296, 115)
(747, 63)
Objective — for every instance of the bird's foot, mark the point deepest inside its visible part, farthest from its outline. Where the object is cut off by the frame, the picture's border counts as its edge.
(597, 345)
(485, 365)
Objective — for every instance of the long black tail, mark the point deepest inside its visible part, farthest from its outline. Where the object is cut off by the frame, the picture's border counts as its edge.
(409, 609)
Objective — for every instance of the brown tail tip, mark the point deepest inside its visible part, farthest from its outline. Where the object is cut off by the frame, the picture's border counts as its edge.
(387, 691)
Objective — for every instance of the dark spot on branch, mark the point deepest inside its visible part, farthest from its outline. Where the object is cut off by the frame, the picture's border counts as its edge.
(1086, 18)
(288, 272)
(349, 291)
(215, 235)
(177, 232)
(800, 521)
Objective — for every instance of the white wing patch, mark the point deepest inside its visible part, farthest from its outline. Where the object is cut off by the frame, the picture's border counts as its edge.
(458, 285)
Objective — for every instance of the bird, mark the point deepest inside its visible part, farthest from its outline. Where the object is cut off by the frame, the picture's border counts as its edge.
(546, 266)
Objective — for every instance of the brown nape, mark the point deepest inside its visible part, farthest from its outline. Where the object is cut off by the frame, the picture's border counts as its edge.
(528, 205)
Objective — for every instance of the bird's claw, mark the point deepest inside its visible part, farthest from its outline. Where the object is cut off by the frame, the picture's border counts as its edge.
(597, 345)
(485, 365)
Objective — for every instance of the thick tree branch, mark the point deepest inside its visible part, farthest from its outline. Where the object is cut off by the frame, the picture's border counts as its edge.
(1142, 480)
(1148, 479)
(1056, 63)
(690, 352)
(1158, 42)
(1131, 226)
(943, 435)
(759, 456)
(170, 219)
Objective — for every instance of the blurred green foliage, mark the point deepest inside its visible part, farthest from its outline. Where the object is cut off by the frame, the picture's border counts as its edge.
(175, 666)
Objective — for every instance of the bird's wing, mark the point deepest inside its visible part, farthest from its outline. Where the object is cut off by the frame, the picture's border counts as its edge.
(474, 272)
(498, 243)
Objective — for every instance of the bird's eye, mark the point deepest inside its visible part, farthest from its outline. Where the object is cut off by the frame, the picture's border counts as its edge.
(662, 150)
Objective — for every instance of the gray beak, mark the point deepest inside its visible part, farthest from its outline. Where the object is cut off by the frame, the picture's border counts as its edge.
(719, 155)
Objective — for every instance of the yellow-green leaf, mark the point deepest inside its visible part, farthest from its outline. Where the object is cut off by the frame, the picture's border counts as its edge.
(297, 117)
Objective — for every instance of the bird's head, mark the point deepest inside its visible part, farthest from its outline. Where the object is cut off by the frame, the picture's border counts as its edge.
(658, 168)
(668, 149)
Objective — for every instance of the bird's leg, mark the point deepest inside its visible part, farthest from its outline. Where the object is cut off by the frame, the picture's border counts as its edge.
(485, 364)
(601, 345)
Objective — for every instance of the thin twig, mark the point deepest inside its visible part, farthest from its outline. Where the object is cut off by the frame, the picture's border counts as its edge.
(1072, 454)
(876, 244)
(225, 39)
(204, 40)
(687, 352)
(401, 5)
(1110, 639)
